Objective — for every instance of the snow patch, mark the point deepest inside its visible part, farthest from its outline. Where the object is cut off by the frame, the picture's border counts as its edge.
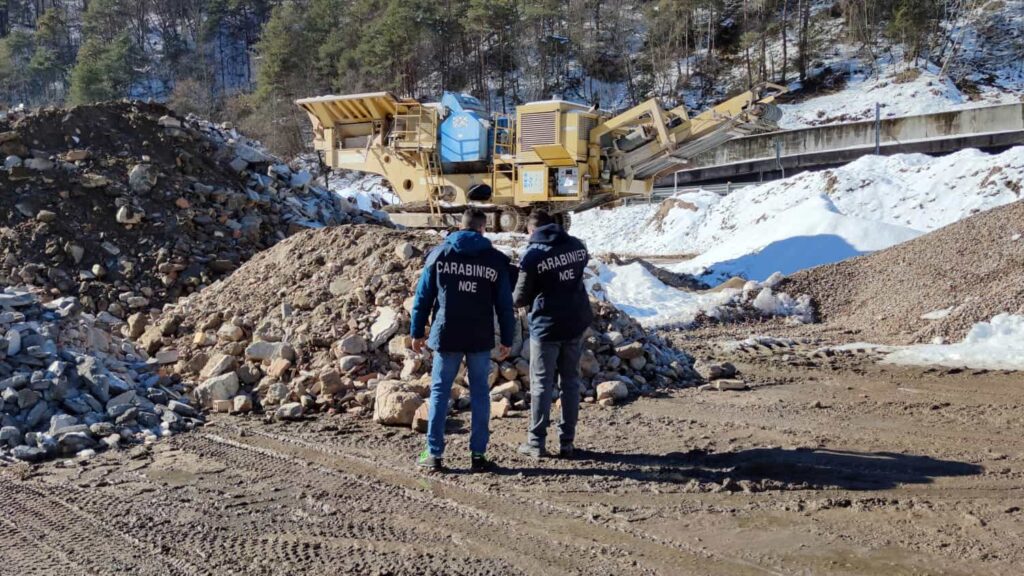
(994, 345)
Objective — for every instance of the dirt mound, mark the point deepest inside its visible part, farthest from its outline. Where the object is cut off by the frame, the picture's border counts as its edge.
(937, 285)
(320, 322)
(129, 207)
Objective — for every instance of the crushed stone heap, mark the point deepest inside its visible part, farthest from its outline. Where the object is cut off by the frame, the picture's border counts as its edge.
(320, 322)
(934, 286)
(129, 207)
(69, 385)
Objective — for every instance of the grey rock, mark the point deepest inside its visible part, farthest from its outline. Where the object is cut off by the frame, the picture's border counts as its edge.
(101, 429)
(223, 387)
(13, 342)
(340, 286)
(347, 363)
(384, 327)
(630, 351)
(350, 345)
(290, 411)
(127, 417)
(29, 453)
(182, 408)
(277, 393)
(27, 398)
(75, 442)
(612, 390)
(269, 351)
(405, 251)
(142, 178)
(11, 436)
(218, 364)
(59, 421)
(37, 414)
(147, 419)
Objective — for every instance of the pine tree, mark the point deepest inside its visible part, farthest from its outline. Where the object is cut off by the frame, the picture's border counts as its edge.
(15, 78)
(103, 70)
(110, 53)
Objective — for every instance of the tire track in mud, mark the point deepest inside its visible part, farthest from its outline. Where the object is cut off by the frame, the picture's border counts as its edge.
(543, 518)
(280, 534)
(482, 535)
(78, 538)
(26, 556)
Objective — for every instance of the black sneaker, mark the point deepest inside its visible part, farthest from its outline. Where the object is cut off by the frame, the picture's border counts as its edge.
(429, 461)
(480, 463)
(532, 451)
(566, 450)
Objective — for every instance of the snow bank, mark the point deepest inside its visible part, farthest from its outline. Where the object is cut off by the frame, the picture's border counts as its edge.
(637, 292)
(812, 218)
(809, 234)
(634, 230)
(651, 302)
(994, 345)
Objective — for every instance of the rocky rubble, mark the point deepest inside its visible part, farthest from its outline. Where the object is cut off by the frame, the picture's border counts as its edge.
(320, 323)
(70, 385)
(129, 207)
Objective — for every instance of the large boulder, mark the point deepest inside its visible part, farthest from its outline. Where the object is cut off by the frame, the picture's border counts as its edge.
(223, 387)
(395, 404)
(612, 390)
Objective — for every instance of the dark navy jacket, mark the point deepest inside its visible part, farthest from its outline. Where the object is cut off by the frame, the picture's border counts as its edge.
(464, 282)
(551, 284)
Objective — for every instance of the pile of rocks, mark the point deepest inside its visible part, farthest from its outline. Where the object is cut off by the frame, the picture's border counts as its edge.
(128, 207)
(320, 323)
(69, 384)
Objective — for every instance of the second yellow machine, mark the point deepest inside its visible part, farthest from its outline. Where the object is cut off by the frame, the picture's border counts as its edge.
(561, 156)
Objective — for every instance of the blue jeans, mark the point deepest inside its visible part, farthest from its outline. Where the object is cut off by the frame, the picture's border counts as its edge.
(446, 367)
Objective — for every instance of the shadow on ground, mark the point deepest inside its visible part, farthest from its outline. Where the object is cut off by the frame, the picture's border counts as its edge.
(778, 468)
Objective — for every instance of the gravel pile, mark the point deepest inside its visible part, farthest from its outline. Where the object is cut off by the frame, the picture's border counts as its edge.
(129, 207)
(69, 385)
(320, 323)
(935, 286)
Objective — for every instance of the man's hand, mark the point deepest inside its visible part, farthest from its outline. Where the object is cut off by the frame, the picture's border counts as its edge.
(419, 345)
(503, 352)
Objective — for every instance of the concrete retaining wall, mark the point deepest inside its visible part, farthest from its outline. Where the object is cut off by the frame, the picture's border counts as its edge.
(1001, 125)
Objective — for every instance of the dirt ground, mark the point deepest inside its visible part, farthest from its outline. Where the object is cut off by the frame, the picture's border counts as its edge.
(828, 465)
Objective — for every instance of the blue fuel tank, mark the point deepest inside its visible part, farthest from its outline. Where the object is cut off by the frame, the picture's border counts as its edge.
(465, 132)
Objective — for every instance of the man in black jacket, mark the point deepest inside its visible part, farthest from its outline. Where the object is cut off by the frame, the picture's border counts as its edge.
(551, 285)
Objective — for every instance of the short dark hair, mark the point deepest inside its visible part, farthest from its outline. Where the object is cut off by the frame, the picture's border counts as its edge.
(474, 219)
(540, 218)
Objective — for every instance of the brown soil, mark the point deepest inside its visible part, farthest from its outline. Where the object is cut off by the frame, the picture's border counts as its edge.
(974, 266)
(833, 466)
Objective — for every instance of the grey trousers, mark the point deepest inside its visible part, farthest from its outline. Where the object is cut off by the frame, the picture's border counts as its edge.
(551, 361)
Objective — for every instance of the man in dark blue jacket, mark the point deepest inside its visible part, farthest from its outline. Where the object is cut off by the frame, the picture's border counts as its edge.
(551, 285)
(464, 282)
